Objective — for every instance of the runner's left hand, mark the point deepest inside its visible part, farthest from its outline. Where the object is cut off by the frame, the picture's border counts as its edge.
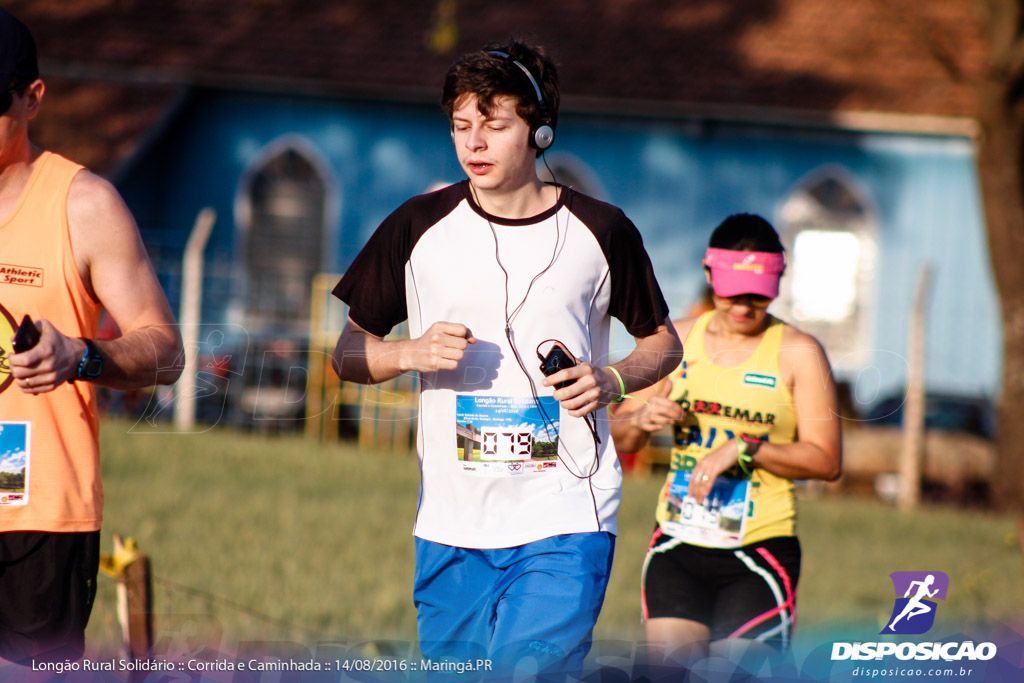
(711, 466)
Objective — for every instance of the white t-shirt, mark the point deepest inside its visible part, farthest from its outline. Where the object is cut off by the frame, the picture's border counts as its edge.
(502, 464)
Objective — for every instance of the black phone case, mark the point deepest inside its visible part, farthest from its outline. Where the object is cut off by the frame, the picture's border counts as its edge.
(27, 335)
(556, 360)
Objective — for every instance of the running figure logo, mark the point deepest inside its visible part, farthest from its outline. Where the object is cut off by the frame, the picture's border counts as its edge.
(914, 613)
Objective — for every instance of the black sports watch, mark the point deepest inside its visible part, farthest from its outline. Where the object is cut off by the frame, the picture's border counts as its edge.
(749, 446)
(91, 365)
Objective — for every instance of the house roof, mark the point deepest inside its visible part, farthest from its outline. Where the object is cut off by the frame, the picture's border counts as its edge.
(113, 66)
(99, 123)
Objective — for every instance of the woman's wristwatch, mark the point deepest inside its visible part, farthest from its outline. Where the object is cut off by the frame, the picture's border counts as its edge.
(747, 446)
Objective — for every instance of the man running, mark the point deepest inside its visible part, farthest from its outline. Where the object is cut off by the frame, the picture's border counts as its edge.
(520, 482)
(69, 248)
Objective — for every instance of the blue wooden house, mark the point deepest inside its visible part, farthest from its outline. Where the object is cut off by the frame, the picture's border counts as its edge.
(848, 125)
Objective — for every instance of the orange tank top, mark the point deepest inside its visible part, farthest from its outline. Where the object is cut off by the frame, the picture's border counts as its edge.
(49, 444)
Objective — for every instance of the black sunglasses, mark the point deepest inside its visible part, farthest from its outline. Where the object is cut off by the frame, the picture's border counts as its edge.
(756, 300)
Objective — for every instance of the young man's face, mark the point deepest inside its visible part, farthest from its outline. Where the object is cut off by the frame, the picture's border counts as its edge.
(493, 150)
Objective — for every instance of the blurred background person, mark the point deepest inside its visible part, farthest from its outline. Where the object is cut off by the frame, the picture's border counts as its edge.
(752, 407)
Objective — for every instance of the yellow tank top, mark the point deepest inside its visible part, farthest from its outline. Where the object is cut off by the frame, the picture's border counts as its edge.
(721, 403)
(49, 444)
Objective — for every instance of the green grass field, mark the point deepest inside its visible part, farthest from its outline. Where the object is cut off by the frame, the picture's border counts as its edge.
(279, 538)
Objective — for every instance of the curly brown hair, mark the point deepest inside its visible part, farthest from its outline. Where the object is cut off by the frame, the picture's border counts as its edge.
(489, 76)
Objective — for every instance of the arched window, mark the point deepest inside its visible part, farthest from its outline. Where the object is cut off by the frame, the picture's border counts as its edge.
(829, 230)
(283, 215)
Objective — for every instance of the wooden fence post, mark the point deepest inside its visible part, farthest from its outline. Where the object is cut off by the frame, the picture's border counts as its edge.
(131, 570)
(190, 317)
(912, 453)
(137, 589)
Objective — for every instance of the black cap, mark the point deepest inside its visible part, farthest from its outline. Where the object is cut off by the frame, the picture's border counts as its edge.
(18, 61)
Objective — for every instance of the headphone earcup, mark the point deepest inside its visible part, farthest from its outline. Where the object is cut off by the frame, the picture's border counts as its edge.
(543, 136)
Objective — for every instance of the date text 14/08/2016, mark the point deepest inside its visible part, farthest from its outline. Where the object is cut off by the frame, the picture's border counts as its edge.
(406, 665)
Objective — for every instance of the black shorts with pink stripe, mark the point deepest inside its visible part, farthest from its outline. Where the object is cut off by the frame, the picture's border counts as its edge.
(746, 592)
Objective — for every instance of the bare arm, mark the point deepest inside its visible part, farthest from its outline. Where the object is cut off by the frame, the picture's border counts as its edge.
(363, 357)
(636, 419)
(817, 454)
(116, 271)
(594, 387)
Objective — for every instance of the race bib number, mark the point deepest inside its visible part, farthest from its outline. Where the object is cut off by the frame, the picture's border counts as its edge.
(717, 522)
(505, 443)
(15, 458)
(506, 435)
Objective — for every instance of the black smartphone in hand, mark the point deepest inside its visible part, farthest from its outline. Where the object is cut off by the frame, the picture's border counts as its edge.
(557, 359)
(26, 336)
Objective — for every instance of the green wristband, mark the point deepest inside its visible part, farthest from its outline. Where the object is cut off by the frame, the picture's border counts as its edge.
(622, 385)
(747, 447)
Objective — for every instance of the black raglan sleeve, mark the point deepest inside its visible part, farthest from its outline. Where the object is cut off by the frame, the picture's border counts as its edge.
(636, 297)
(374, 286)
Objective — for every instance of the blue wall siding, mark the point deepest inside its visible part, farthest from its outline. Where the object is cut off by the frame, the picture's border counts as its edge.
(675, 180)
(678, 187)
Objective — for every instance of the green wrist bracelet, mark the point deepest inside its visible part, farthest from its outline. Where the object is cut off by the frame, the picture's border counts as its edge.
(747, 447)
(622, 385)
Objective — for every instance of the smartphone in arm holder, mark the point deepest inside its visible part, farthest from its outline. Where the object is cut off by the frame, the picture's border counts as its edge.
(558, 358)
(26, 336)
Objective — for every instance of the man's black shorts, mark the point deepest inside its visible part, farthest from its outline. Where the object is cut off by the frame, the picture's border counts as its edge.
(47, 588)
(747, 592)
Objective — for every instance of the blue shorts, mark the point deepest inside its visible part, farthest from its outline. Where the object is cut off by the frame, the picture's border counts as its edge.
(527, 610)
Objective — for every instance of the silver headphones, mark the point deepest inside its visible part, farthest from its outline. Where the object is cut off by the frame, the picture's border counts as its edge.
(542, 136)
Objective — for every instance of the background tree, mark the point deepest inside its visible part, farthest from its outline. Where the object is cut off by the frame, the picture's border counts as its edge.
(1001, 171)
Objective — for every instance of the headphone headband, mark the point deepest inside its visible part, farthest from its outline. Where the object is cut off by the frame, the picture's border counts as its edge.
(542, 136)
(533, 81)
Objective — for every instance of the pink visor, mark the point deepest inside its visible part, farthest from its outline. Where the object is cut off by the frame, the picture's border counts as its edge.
(745, 272)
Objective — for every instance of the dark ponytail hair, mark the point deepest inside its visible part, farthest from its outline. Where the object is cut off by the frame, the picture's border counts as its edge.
(746, 232)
